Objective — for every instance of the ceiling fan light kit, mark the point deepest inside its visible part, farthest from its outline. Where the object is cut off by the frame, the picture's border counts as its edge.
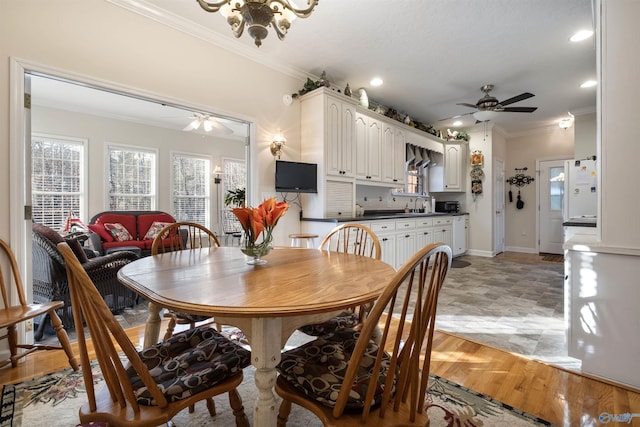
(488, 106)
(257, 15)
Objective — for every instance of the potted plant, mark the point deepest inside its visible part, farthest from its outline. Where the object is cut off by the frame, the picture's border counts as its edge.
(235, 197)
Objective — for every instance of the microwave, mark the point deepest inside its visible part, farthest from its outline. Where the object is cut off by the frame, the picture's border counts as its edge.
(447, 206)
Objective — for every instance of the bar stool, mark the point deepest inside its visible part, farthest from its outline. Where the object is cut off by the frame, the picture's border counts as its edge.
(296, 239)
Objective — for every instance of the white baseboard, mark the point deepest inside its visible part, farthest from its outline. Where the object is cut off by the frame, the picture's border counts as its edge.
(522, 250)
(476, 252)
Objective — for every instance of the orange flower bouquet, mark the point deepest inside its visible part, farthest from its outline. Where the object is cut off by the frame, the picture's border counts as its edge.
(259, 223)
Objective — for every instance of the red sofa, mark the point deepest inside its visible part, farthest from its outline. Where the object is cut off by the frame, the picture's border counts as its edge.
(105, 238)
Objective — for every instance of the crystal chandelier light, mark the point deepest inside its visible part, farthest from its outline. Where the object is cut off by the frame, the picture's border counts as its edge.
(257, 15)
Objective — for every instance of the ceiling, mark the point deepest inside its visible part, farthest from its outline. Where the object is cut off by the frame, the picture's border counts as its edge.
(431, 54)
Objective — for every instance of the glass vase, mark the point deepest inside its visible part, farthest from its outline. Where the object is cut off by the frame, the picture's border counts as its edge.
(256, 251)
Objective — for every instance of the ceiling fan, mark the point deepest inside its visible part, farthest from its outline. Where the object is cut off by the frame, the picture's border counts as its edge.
(208, 123)
(488, 105)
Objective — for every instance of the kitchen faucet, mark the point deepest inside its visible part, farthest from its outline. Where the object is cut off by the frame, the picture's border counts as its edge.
(415, 203)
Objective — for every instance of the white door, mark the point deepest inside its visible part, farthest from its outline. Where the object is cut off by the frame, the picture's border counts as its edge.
(551, 197)
(498, 196)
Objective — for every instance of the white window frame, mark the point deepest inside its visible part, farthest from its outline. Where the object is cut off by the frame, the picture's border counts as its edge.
(175, 155)
(83, 143)
(153, 185)
(228, 222)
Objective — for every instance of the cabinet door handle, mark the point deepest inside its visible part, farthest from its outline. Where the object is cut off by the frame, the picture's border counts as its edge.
(407, 236)
(384, 239)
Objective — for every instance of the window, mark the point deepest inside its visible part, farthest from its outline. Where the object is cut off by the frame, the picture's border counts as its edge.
(234, 176)
(191, 188)
(132, 179)
(415, 180)
(57, 179)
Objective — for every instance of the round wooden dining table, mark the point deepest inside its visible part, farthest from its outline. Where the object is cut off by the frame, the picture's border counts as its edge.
(267, 302)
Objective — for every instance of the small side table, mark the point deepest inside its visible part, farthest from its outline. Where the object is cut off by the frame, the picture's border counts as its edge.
(296, 240)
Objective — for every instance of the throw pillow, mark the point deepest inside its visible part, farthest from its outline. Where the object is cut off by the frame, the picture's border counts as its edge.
(155, 229)
(101, 231)
(119, 233)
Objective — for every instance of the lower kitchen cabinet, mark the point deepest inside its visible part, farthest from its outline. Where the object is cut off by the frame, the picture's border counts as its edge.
(442, 230)
(400, 238)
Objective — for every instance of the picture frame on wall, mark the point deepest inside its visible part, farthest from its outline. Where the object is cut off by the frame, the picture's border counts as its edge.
(477, 159)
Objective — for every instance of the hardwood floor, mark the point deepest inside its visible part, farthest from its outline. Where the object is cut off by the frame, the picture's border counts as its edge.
(561, 397)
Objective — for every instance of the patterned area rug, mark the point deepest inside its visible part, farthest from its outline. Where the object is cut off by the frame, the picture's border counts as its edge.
(59, 395)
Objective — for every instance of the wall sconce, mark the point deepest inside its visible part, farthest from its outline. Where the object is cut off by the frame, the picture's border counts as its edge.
(276, 146)
(216, 172)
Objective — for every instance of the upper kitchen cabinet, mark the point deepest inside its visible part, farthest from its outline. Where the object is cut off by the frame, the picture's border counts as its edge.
(393, 154)
(368, 148)
(328, 132)
(449, 175)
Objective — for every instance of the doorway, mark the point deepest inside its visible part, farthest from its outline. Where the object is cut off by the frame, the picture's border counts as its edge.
(499, 202)
(551, 202)
(21, 109)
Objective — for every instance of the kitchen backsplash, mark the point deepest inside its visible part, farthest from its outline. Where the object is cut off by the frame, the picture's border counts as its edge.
(381, 198)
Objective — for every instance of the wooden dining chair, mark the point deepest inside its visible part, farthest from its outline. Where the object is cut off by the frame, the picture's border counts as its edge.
(355, 239)
(13, 315)
(349, 379)
(197, 236)
(151, 386)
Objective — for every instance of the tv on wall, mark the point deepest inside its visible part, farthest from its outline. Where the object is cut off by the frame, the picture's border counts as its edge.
(296, 177)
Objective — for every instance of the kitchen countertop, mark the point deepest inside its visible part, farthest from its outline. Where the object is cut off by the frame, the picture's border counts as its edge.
(376, 215)
(581, 222)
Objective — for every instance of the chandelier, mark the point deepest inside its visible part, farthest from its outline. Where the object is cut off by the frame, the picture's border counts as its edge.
(257, 15)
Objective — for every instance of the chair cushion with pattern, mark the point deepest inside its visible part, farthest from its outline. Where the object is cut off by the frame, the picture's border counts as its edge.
(189, 362)
(346, 319)
(317, 368)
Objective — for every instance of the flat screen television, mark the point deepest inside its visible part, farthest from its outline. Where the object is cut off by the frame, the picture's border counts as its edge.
(296, 177)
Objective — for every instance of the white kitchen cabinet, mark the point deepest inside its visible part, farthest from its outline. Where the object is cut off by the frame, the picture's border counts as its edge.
(386, 233)
(405, 240)
(328, 132)
(424, 233)
(450, 174)
(442, 230)
(368, 137)
(393, 154)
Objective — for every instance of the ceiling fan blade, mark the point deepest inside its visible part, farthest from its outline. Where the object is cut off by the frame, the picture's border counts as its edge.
(454, 117)
(517, 98)
(195, 124)
(219, 127)
(467, 105)
(519, 109)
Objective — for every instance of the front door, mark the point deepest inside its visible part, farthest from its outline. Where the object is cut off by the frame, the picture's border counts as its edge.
(551, 196)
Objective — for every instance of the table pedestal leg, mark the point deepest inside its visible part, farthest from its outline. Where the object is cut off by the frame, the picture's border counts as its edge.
(152, 329)
(265, 355)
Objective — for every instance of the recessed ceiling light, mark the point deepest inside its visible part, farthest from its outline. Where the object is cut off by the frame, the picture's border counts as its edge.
(457, 123)
(376, 81)
(581, 35)
(588, 83)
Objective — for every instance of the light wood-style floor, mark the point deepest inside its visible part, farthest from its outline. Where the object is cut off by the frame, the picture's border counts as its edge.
(556, 395)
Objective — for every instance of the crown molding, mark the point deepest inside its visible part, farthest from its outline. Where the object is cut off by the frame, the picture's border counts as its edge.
(150, 11)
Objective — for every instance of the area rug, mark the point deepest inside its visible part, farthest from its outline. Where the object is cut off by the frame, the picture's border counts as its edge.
(553, 258)
(54, 399)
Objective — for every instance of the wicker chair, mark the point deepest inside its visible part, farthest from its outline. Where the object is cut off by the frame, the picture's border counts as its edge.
(50, 275)
(349, 379)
